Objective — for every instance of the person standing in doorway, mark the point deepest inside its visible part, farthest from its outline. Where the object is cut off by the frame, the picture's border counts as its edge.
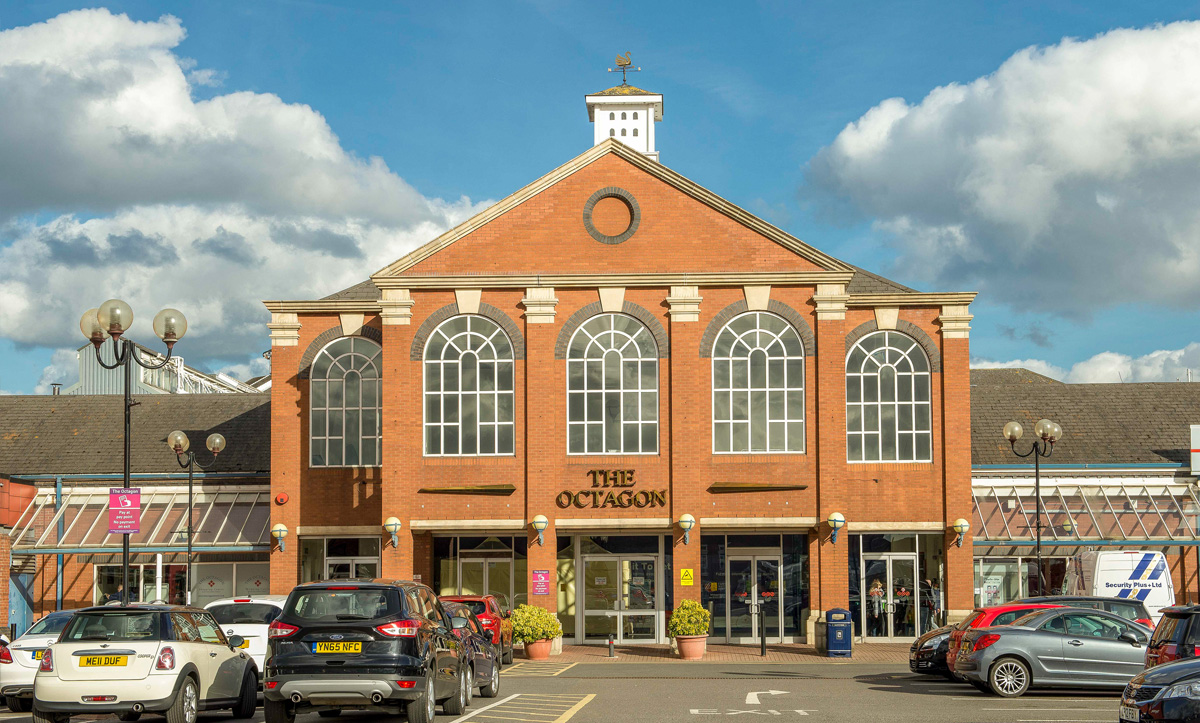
(875, 605)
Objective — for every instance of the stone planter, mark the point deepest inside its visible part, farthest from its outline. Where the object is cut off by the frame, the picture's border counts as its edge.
(691, 647)
(538, 650)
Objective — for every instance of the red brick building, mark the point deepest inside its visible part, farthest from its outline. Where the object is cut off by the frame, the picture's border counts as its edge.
(613, 347)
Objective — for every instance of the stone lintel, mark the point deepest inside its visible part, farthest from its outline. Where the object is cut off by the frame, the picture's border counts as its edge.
(757, 297)
(612, 299)
(352, 323)
(887, 316)
(468, 300)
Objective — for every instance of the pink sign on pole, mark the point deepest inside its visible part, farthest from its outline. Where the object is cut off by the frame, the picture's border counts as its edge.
(541, 582)
(124, 510)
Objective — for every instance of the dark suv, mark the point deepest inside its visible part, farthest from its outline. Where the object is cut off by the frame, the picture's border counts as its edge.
(375, 644)
(1176, 637)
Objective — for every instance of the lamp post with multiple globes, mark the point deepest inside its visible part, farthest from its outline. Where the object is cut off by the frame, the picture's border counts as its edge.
(114, 318)
(1046, 433)
(179, 443)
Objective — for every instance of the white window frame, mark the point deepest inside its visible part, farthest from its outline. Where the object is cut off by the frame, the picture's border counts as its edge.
(785, 365)
(374, 361)
(628, 341)
(498, 362)
(909, 352)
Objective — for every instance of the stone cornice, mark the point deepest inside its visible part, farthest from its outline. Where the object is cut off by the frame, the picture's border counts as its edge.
(735, 278)
(322, 306)
(957, 298)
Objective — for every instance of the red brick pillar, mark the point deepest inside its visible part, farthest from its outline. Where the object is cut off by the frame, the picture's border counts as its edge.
(689, 380)
(544, 434)
(830, 571)
(956, 450)
(401, 428)
(6, 566)
(288, 447)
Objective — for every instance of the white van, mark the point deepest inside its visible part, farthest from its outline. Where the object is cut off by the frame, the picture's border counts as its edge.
(1131, 574)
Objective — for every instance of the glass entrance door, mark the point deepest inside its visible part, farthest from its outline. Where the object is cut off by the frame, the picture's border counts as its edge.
(486, 576)
(754, 586)
(620, 599)
(345, 568)
(890, 610)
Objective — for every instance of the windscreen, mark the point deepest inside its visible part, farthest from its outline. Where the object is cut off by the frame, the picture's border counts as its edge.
(1168, 630)
(123, 625)
(478, 607)
(244, 613)
(350, 603)
(49, 625)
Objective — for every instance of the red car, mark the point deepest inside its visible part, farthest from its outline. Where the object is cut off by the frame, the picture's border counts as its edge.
(986, 618)
(492, 618)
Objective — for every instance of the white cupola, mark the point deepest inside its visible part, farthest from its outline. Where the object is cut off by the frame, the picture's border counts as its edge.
(626, 114)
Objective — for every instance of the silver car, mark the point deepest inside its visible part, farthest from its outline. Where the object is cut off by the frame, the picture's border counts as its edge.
(1072, 647)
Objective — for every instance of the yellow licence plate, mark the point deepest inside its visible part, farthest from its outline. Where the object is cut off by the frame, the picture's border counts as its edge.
(94, 661)
(245, 643)
(37, 654)
(355, 647)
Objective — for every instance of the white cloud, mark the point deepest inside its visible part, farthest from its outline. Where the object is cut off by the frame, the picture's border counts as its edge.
(1167, 365)
(1064, 180)
(116, 182)
(62, 369)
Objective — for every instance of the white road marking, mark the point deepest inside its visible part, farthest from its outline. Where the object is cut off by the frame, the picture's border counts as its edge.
(752, 698)
(477, 711)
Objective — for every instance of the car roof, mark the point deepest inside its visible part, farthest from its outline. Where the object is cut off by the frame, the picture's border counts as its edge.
(1080, 598)
(1009, 607)
(142, 607)
(359, 582)
(1181, 610)
(278, 600)
(465, 598)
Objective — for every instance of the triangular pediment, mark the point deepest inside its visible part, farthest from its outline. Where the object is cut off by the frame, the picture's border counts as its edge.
(681, 225)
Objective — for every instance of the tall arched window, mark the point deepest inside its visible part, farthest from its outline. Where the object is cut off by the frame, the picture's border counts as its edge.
(612, 387)
(635, 131)
(888, 409)
(622, 116)
(612, 116)
(635, 115)
(468, 388)
(622, 131)
(758, 386)
(344, 404)
(612, 131)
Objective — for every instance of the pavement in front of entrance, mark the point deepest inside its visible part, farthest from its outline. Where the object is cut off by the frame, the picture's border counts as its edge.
(706, 691)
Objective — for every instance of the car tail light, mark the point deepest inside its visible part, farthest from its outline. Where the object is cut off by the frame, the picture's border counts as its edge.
(1145, 621)
(342, 588)
(166, 659)
(5, 655)
(985, 641)
(241, 599)
(271, 684)
(99, 698)
(406, 683)
(399, 629)
(47, 665)
(280, 630)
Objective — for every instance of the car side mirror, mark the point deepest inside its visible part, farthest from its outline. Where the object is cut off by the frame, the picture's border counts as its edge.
(236, 641)
(507, 614)
(1130, 638)
(459, 623)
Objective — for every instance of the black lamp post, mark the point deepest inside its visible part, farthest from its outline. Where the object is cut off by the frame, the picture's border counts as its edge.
(179, 443)
(114, 318)
(1046, 433)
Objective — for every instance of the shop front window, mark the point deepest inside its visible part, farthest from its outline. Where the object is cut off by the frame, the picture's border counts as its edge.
(338, 558)
(494, 565)
(210, 581)
(896, 584)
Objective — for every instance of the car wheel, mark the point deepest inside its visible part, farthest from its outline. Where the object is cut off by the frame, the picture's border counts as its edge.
(457, 703)
(20, 705)
(331, 713)
(248, 700)
(471, 676)
(40, 716)
(278, 711)
(507, 659)
(128, 716)
(492, 689)
(1009, 677)
(186, 705)
(421, 709)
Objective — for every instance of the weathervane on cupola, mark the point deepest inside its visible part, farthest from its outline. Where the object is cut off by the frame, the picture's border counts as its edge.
(625, 65)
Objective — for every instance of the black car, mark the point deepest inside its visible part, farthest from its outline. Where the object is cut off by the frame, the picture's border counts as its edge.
(377, 644)
(1134, 610)
(927, 654)
(1169, 692)
(485, 658)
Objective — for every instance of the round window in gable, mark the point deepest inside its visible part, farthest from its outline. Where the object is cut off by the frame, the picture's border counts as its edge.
(611, 215)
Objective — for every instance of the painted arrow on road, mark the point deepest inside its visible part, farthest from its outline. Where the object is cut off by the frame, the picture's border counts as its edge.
(752, 698)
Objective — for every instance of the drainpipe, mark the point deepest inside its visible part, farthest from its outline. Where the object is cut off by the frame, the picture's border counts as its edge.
(58, 578)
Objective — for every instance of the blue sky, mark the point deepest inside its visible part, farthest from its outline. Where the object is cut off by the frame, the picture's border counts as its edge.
(466, 103)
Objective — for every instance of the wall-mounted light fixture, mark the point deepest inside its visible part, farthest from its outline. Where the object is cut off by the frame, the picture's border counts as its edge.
(391, 525)
(540, 523)
(1068, 526)
(836, 522)
(279, 531)
(686, 523)
(962, 527)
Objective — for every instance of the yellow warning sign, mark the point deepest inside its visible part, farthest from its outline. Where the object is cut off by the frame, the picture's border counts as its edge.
(685, 576)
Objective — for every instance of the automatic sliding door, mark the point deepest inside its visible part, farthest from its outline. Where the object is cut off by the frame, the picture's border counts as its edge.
(601, 598)
(639, 616)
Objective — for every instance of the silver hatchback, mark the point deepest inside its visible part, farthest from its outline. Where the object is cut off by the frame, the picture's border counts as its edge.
(1068, 647)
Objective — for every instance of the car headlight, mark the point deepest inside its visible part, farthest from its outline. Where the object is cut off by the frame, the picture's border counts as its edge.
(1182, 690)
(933, 642)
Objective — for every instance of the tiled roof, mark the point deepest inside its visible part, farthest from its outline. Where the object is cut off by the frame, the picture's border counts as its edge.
(365, 291)
(83, 434)
(1102, 423)
(624, 90)
(865, 282)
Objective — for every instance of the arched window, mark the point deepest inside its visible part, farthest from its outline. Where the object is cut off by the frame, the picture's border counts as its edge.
(635, 131)
(635, 115)
(468, 388)
(344, 404)
(758, 386)
(888, 409)
(622, 116)
(612, 387)
(612, 116)
(622, 132)
(612, 131)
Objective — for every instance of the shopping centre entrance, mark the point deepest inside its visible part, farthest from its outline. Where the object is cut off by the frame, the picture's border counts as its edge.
(891, 601)
(620, 598)
(755, 583)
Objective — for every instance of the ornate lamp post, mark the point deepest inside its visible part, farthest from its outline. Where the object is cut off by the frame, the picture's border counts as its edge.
(114, 318)
(178, 442)
(1046, 433)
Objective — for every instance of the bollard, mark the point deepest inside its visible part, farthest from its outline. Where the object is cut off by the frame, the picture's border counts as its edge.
(612, 653)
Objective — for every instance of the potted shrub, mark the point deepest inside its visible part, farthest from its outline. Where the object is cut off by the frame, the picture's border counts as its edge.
(689, 626)
(536, 628)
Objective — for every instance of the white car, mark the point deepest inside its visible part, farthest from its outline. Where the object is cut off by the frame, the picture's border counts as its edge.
(248, 617)
(19, 660)
(169, 659)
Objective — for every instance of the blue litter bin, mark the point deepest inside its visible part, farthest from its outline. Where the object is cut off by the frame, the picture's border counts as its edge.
(838, 631)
